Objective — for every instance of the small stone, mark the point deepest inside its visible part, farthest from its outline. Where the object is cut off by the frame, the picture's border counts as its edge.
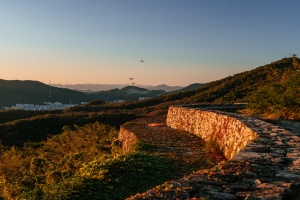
(250, 197)
(249, 174)
(257, 182)
(288, 176)
(221, 196)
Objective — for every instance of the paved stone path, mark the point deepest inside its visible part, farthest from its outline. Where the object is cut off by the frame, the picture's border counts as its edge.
(293, 126)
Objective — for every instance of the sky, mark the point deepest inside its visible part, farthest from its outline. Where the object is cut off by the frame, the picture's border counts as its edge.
(181, 41)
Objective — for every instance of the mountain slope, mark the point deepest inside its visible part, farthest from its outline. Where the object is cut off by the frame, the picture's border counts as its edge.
(234, 88)
(127, 93)
(237, 87)
(194, 86)
(163, 87)
(34, 92)
(89, 88)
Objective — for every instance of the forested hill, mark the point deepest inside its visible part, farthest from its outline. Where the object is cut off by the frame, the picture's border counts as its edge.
(237, 87)
(34, 92)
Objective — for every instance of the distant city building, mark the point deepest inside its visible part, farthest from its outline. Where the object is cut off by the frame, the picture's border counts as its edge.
(47, 106)
(143, 98)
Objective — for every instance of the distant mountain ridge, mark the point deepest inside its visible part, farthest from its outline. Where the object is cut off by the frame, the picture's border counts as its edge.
(103, 87)
(34, 92)
(164, 87)
(127, 93)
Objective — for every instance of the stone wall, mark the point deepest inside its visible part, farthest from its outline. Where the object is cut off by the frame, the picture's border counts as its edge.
(227, 133)
(127, 138)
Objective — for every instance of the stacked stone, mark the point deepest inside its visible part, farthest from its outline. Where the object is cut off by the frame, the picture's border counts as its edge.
(224, 130)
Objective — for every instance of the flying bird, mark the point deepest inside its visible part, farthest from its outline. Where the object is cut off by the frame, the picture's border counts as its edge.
(142, 61)
(133, 83)
(131, 79)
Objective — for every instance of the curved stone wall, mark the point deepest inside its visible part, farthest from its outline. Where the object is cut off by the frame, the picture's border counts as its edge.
(225, 131)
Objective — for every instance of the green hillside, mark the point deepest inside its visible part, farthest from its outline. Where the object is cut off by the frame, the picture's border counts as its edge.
(235, 88)
(192, 87)
(279, 99)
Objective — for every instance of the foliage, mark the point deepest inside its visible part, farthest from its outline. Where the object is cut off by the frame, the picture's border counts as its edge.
(278, 100)
(31, 168)
(11, 115)
(235, 88)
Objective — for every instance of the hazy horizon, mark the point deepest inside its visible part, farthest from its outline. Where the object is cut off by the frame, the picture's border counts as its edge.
(129, 84)
(119, 84)
(181, 42)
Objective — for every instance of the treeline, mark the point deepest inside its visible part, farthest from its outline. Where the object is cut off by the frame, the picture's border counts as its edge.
(11, 115)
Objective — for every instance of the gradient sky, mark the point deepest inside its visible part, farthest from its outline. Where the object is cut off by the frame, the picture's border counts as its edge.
(182, 41)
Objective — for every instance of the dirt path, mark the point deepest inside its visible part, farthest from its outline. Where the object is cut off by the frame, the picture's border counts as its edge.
(155, 137)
